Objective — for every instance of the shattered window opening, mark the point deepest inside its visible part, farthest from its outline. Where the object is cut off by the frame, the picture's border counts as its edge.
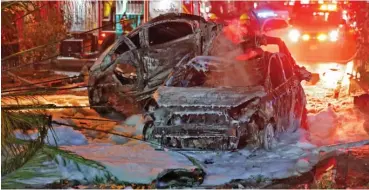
(126, 73)
(123, 47)
(169, 31)
(136, 40)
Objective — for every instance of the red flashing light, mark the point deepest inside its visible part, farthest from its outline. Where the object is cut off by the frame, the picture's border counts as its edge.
(103, 35)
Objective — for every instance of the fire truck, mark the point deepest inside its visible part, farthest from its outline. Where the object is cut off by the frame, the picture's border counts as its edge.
(94, 27)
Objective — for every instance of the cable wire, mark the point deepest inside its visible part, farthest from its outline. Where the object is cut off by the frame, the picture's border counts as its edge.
(61, 79)
(51, 43)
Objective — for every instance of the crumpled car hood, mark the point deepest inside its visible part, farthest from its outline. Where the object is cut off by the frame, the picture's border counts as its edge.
(206, 97)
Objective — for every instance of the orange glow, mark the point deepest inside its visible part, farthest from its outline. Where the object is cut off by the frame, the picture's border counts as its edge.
(305, 37)
(234, 32)
(322, 37)
(99, 42)
(330, 75)
(349, 69)
(249, 54)
(305, 1)
(330, 7)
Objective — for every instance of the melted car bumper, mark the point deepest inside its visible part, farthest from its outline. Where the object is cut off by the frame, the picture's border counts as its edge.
(216, 137)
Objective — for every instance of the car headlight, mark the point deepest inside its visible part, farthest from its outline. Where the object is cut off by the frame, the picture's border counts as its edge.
(333, 35)
(294, 35)
(306, 37)
(322, 37)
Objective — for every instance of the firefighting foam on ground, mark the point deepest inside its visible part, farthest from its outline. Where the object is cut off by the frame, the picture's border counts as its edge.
(197, 94)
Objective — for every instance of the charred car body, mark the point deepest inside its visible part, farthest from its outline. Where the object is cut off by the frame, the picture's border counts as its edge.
(212, 103)
(205, 102)
(127, 74)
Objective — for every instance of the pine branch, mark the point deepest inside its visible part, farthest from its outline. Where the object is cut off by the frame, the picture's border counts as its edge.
(38, 8)
(8, 5)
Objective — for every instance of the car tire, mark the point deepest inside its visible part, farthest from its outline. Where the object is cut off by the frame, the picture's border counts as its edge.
(269, 140)
(147, 131)
(150, 105)
(92, 93)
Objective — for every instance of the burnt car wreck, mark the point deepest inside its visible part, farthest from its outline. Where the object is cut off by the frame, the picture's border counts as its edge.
(212, 103)
(198, 89)
(129, 72)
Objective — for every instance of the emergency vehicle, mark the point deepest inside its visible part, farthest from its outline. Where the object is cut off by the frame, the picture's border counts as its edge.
(320, 32)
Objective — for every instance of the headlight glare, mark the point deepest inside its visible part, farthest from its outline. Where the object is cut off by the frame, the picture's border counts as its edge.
(306, 37)
(294, 35)
(333, 35)
(322, 37)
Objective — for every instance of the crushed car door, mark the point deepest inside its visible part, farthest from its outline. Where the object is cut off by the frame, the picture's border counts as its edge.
(169, 43)
(295, 92)
(277, 91)
(129, 72)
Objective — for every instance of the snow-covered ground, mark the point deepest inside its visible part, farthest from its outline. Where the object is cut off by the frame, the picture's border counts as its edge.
(331, 121)
(133, 162)
(290, 157)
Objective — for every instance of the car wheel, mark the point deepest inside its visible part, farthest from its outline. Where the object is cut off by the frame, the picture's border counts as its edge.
(147, 131)
(96, 98)
(269, 137)
(241, 141)
(150, 106)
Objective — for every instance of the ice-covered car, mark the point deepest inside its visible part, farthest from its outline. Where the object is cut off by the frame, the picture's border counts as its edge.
(129, 71)
(213, 103)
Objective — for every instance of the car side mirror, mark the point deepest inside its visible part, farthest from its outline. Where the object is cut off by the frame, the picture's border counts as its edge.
(303, 73)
